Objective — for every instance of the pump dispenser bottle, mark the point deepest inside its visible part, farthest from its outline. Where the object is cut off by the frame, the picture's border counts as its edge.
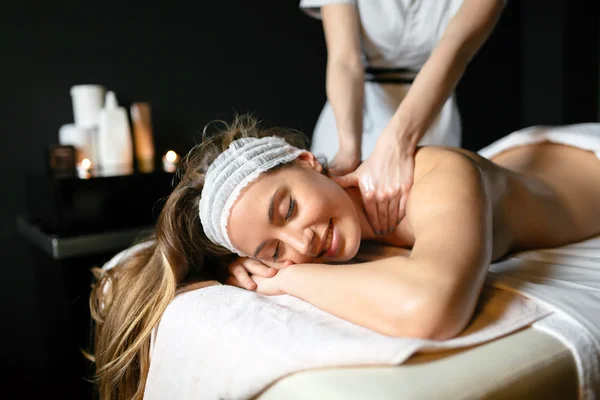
(114, 144)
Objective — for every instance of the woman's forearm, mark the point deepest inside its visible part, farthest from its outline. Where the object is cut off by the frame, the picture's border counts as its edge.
(437, 79)
(387, 296)
(345, 91)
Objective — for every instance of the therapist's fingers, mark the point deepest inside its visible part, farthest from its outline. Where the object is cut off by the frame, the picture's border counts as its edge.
(393, 211)
(347, 180)
(241, 274)
(371, 210)
(402, 206)
(382, 213)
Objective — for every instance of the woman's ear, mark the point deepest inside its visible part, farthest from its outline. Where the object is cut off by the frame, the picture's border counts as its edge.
(308, 159)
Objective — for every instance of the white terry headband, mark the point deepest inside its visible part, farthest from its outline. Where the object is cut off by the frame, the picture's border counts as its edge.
(232, 171)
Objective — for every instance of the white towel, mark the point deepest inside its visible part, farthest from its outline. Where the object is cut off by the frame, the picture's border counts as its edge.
(223, 342)
(584, 136)
(565, 280)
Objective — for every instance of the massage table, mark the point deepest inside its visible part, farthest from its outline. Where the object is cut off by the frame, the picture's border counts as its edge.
(527, 364)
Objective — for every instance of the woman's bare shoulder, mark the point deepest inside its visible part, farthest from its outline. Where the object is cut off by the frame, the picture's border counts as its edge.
(429, 157)
(448, 207)
(447, 183)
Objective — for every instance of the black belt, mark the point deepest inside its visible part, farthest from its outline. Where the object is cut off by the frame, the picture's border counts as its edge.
(390, 75)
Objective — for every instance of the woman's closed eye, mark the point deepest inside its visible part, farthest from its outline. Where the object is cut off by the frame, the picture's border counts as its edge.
(288, 215)
(291, 208)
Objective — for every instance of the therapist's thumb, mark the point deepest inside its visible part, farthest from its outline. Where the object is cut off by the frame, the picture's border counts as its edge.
(347, 180)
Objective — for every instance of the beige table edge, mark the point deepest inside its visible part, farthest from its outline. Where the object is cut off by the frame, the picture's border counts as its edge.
(524, 365)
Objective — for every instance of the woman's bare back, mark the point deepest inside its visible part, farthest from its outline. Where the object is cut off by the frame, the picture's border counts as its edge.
(556, 196)
(543, 195)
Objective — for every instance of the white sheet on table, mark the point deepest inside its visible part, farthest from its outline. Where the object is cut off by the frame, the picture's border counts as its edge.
(566, 280)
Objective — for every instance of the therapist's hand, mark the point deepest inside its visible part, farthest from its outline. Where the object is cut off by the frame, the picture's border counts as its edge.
(344, 162)
(384, 179)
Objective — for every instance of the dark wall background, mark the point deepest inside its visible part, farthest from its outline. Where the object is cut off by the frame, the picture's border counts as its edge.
(200, 61)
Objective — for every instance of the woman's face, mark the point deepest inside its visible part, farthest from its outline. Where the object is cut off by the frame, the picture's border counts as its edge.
(295, 214)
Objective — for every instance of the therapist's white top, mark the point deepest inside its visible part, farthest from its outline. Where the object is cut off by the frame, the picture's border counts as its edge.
(394, 34)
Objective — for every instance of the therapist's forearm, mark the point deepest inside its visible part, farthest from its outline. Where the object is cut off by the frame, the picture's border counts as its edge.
(427, 95)
(462, 39)
(345, 91)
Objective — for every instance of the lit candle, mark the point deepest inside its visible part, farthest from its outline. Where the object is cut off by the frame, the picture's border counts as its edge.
(170, 161)
(84, 169)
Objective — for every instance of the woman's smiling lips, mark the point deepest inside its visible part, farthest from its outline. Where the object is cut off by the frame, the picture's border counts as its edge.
(332, 241)
(326, 239)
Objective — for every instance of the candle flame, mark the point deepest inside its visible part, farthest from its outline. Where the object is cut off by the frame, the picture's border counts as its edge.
(171, 156)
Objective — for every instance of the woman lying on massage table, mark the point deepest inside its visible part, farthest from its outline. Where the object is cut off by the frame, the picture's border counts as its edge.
(293, 226)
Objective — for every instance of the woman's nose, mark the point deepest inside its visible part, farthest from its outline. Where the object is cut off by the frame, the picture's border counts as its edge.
(300, 240)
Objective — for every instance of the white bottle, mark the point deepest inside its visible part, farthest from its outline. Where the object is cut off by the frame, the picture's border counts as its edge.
(114, 144)
(83, 139)
(87, 104)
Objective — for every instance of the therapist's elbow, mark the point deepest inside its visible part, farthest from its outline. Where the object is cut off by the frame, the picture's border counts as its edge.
(345, 63)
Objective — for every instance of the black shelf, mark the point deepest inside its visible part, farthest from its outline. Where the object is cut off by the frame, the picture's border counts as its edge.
(63, 247)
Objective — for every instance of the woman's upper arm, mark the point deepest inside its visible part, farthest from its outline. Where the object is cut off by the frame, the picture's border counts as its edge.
(342, 32)
(449, 212)
(451, 218)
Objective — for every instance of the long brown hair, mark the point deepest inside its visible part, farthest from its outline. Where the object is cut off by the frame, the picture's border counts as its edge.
(128, 300)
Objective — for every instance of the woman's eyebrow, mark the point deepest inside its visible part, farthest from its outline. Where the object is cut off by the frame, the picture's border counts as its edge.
(272, 205)
(270, 215)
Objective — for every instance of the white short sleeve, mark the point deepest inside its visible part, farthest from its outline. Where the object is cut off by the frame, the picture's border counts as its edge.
(313, 7)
